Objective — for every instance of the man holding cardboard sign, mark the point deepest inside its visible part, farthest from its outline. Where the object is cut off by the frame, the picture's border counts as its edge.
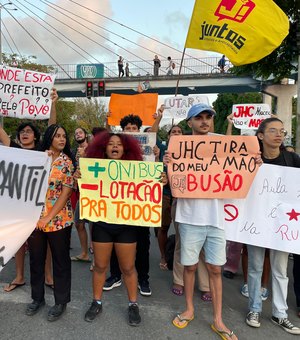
(205, 229)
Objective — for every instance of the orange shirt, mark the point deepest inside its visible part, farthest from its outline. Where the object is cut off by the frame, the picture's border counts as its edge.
(61, 174)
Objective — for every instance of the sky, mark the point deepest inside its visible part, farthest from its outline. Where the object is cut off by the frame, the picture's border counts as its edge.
(165, 21)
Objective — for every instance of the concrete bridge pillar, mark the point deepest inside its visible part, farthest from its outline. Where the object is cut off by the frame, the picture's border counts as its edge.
(284, 94)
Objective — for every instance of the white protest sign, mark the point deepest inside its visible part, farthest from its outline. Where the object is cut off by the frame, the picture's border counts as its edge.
(23, 185)
(25, 94)
(147, 142)
(249, 116)
(269, 216)
(177, 106)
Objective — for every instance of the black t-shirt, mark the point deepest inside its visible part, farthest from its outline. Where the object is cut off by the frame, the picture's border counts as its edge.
(286, 158)
(18, 146)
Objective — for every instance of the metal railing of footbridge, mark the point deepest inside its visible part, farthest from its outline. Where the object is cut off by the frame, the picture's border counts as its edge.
(190, 66)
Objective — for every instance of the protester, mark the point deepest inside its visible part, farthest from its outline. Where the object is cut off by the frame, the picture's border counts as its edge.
(121, 67)
(28, 137)
(201, 220)
(81, 138)
(133, 123)
(53, 227)
(127, 70)
(156, 64)
(271, 135)
(221, 64)
(105, 236)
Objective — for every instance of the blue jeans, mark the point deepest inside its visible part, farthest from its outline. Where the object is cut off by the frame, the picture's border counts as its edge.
(279, 262)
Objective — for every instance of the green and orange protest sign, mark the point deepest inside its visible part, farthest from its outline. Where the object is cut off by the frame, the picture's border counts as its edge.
(212, 166)
(121, 192)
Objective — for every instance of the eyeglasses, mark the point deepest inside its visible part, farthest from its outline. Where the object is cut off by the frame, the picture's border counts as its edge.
(28, 132)
(280, 132)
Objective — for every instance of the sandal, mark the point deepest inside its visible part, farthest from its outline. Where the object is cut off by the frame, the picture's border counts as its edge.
(177, 291)
(184, 321)
(224, 335)
(206, 296)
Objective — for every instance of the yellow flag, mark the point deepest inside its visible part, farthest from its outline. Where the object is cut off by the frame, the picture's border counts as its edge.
(244, 30)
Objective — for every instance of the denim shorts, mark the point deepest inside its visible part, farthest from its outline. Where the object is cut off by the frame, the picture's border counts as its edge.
(193, 238)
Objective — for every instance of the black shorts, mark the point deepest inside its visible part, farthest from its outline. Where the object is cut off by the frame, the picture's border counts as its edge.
(106, 233)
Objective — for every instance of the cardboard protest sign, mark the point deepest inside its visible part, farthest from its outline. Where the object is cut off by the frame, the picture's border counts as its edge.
(23, 186)
(25, 94)
(147, 141)
(177, 106)
(269, 216)
(143, 105)
(212, 166)
(249, 116)
(121, 192)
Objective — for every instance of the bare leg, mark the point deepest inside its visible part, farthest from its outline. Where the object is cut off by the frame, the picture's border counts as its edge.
(19, 260)
(189, 284)
(126, 257)
(215, 280)
(83, 239)
(102, 253)
(162, 237)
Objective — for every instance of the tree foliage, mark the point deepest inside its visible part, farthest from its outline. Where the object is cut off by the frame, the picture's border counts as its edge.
(282, 62)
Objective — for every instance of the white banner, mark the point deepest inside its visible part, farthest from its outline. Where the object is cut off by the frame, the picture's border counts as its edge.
(24, 93)
(269, 216)
(23, 185)
(177, 106)
(249, 116)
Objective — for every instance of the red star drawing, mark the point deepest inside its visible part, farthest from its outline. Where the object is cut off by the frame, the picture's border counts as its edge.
(293, 215)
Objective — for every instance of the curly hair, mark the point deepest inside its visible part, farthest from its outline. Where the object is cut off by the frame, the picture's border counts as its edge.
(97, 148)
(131, 119)
(49, 136)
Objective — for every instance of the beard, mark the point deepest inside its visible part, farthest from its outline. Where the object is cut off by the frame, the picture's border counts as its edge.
(80, 141)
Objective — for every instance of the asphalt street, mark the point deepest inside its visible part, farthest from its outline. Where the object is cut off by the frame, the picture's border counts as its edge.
(157, 311)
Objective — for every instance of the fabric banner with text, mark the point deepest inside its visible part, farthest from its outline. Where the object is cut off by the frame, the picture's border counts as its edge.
(234, 28)
(143, 105)
(25, 94)
(212, 166)
(121, 192)
(23, 185)
(269, 216)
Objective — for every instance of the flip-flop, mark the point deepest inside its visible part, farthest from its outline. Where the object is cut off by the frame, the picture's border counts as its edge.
(177, 291)
(184, 320)
(79, 259)
(206, 297)
(91, 250)
(49, 285)
(222, 334)
(13, 286)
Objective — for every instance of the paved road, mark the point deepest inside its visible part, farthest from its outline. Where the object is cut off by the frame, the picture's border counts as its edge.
(157, 311)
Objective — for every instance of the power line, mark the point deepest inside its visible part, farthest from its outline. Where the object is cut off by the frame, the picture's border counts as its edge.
(93, 32)
(5, 39)
(11, 38)
(57, 36)
(32, 37)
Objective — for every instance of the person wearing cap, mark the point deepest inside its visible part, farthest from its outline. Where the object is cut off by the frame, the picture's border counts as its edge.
(201, 226)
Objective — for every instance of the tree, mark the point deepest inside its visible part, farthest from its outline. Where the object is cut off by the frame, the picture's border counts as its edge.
(223, 106)
(282, 62)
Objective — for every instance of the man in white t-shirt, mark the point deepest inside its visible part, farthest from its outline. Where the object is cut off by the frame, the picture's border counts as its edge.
(201, 226)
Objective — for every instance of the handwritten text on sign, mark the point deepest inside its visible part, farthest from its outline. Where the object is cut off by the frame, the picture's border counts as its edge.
(270, 214)
(249, 116)
(121, 192)
(212, 166)
(24, 93)
(23, 186)
(147, 141)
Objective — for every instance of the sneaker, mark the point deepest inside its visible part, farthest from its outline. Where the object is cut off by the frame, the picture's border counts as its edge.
(264, 293)
(144, 288)
(244, 290)
(253, 319)
(112, 282)
(134, 318)
(93, 311)
(228, 274)
(286, 325)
